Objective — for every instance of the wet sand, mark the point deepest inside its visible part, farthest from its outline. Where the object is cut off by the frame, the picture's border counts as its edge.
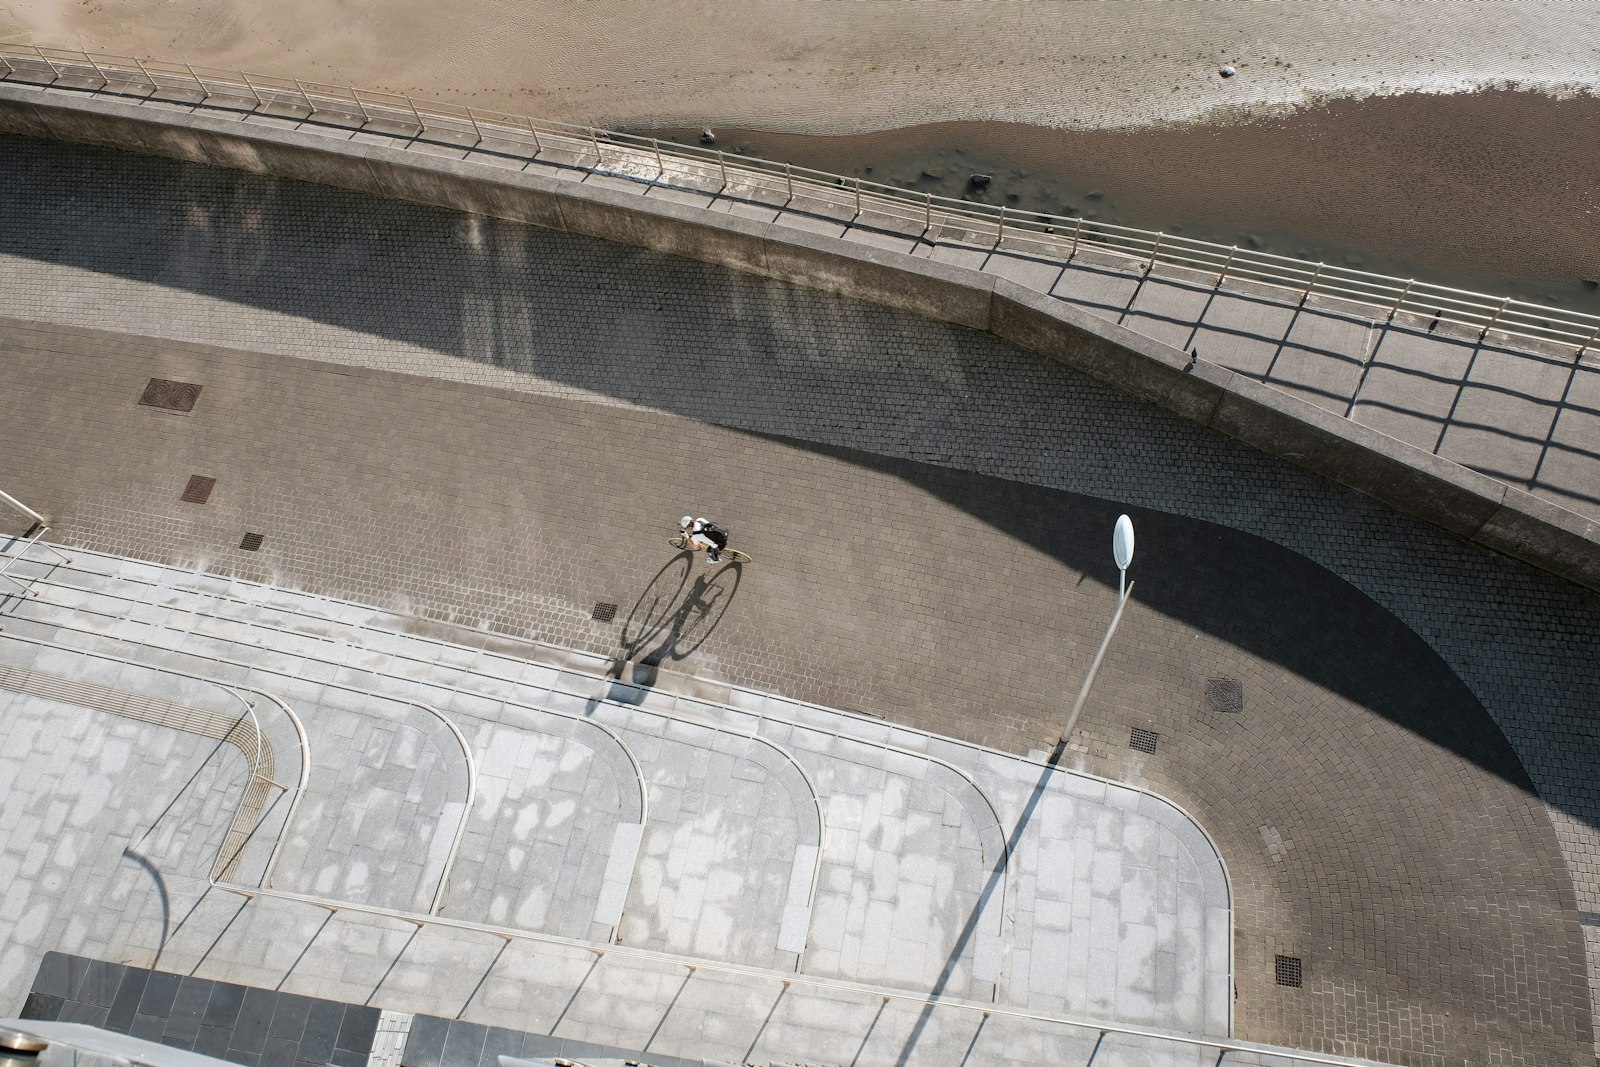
(1493, 191)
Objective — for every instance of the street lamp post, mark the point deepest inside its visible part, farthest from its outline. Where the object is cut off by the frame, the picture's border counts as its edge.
(1122, 552)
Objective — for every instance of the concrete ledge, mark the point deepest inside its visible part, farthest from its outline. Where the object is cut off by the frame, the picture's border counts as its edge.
(1412, 481)
(896, 279)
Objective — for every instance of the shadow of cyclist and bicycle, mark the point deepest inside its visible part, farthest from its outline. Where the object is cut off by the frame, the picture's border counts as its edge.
(677, 611)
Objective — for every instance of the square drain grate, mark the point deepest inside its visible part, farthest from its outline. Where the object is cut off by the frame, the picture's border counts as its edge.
(1225, 696)
(252, 542)
(1287, 971)
(170, 396)
(1143, 741)
(604, 612)
(198, 491)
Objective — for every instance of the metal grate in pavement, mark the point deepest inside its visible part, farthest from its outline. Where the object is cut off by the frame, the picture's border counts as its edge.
(1287, 971)
(252, 542)
(1143, 740)
(604, 612)
(198, 491)
(170, 396)
(1225, 695)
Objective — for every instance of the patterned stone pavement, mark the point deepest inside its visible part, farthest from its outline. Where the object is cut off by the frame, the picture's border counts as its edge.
(1117, 907)
(1395, 794)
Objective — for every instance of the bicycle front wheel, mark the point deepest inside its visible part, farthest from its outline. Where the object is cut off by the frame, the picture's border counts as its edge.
(679, 542)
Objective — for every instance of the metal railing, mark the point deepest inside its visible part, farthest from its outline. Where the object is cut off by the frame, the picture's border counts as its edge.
(29, 539)
(924, 216)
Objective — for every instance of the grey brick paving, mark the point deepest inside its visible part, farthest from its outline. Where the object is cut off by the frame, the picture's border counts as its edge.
(1360, 714)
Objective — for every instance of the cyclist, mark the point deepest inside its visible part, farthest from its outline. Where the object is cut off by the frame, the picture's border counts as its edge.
(707, 535)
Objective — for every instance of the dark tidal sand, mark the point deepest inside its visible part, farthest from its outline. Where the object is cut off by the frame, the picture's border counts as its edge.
(1495, 191)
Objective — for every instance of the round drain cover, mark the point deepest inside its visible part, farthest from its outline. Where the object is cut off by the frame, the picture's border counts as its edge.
(17, 1041)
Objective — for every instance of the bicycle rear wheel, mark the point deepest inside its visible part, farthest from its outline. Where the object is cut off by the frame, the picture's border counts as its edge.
(737, 556)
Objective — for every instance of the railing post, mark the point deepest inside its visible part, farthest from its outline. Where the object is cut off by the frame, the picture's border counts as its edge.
(1399, 300)
(1000, 230)
(1233, 250)
(1098, 1041)
(1155, 250)
(311, 109)
(537, 145)
(205, 94)
(105, 82)
(10, 70)
(858, 197)
(788, 179)
(661, 168)
(365, 118)
(722, 165)
(53, 69)
(422, 127)
(1312, 283)
(927, 220)
(1587, 344)
(594, 139)
(475, 127)
(248, 84)
(1076, 231)
(1497, 313)
(154, 88)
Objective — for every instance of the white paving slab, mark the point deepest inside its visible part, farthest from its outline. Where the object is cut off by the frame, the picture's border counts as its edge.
(763, 832)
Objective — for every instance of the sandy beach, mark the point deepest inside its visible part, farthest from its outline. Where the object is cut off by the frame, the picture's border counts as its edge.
(1451, 139)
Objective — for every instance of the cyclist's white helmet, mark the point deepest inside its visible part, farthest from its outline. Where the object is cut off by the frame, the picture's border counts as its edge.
(687, 520)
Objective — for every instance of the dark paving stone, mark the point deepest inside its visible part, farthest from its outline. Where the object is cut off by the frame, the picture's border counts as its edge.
(278, 1051)
(188, 1008)
(358, 1027)
(159, 992)
(100, 983)
(53, 978)
(213, 1041)
(149, 1027)
(343, 1057)
(322, 1031)
(289, 1018)
(255, 1019)
(425, 1043)
(126, 1004)
(222, 1010)
(463, 1044)
(42, 1007)
(75, 1011)
(500, 1042)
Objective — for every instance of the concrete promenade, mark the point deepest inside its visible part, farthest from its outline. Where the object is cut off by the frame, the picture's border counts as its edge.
(1343, 751)
(1399, 778)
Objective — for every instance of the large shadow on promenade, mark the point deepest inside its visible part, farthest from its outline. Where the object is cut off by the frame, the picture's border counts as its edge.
(765, 357)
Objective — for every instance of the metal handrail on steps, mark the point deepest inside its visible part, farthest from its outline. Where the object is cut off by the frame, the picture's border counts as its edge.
(938, 219)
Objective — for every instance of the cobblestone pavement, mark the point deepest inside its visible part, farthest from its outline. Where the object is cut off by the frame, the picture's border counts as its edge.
(1518, 410)
(1375, 820)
